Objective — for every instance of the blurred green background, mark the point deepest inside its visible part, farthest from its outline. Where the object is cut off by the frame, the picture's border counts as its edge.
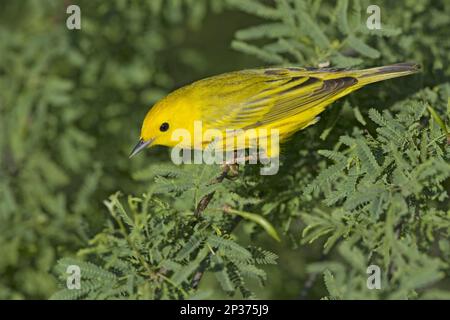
(72, 102)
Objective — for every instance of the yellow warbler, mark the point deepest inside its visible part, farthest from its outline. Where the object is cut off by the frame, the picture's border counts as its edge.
(285, 99)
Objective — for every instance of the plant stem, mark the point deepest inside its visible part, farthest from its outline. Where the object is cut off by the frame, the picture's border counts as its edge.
(201, 207)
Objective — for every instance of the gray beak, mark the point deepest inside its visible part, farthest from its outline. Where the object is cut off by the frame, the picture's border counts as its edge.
(140, 146)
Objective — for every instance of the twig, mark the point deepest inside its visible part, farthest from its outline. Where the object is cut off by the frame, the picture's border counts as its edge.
(201, 207)
(204, 264)
(203, 203)
(397, 231)
(310, 281)
(155, 275)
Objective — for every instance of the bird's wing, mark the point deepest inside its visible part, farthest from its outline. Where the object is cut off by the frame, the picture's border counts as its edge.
(252, 98)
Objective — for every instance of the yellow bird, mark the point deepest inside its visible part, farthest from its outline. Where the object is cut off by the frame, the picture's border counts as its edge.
(285, 99)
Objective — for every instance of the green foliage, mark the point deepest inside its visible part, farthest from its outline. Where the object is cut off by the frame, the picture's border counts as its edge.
(305, 32)
(152, 251)
(387, 196)
(299, 31)
(367, 185)
(382, 190)
(68, 98)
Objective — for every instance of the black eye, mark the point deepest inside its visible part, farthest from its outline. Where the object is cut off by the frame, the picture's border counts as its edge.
(164, 127)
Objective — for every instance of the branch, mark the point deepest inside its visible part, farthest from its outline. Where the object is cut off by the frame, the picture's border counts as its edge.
(204, 264)
(226, 170)
(310, 281)
(229, 171)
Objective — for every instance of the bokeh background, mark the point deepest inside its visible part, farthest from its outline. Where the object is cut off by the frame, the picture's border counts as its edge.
(72, 102)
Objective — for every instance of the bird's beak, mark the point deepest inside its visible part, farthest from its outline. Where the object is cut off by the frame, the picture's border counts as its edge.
(140, 146)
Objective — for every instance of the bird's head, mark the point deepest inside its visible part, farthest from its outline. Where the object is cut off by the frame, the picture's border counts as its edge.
(163, 123)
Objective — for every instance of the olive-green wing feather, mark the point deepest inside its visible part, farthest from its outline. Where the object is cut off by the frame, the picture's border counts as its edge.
(253, 98)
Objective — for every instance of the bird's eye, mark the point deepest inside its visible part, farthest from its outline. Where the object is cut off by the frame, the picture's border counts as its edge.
(164, 127)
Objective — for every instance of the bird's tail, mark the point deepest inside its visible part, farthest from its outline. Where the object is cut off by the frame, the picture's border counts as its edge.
(371, 75)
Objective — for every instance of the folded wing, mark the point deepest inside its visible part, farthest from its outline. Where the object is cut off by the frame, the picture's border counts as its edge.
(254, 98)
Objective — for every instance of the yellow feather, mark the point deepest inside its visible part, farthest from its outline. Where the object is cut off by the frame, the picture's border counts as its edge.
(285, 99)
